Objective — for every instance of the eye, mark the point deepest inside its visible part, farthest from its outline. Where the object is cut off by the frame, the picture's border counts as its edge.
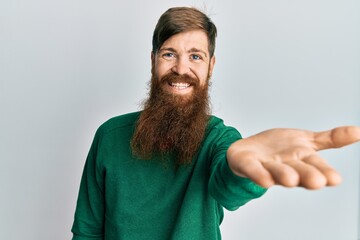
(168, 55)
(195, 57)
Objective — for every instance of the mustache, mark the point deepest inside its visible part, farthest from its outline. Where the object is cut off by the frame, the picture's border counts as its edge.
(172, 77)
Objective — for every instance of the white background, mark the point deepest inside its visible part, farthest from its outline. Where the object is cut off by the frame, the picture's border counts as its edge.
(66, 66)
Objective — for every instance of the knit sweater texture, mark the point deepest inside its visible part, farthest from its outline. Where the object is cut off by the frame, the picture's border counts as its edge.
(122, 197)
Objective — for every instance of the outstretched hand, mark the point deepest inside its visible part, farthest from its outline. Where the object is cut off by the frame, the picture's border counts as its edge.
(289, 157)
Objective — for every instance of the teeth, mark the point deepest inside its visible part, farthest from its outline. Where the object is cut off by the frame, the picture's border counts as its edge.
(180, 85)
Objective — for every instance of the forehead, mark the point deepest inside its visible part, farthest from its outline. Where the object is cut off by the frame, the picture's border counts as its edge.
(188, 40)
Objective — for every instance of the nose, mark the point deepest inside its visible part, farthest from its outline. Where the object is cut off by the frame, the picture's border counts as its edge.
(181, 66)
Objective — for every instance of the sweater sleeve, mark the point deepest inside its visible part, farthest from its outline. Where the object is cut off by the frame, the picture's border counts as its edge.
(89, 214)
(230, 190)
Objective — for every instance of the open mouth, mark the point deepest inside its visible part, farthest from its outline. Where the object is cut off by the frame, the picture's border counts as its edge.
(179, 86)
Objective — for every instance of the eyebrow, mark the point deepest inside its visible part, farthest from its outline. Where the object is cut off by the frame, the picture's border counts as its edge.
(192, 50)
(167, 49)
(196, 50)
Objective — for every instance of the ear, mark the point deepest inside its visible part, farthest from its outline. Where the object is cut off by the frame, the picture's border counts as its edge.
(152, 60)
(211, 65)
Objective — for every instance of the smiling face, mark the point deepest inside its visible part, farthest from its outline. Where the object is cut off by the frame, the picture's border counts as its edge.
(185, 55)
(176, 113)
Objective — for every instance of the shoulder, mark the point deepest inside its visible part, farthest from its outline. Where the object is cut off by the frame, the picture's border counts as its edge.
(122, 121)
(215, 122)
(217, 128)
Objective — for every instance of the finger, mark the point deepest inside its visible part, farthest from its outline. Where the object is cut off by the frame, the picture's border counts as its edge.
(332, 176)
(248, 166)
(310, 176)
(337, 137)
(282, 174)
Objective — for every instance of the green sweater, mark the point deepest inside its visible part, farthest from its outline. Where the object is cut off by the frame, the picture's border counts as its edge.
(125, 198)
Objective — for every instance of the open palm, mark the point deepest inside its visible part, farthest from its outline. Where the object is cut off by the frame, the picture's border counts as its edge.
(289, 157)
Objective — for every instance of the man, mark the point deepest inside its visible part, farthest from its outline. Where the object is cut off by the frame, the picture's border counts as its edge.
(167, 172)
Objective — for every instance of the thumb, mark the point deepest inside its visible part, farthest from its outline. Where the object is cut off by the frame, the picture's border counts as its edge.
(337, 137)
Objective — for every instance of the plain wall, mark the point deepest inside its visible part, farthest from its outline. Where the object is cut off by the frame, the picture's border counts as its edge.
(67, 66)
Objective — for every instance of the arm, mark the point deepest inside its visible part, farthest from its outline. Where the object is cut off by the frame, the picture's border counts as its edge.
(288, 157)
(228, 189)
(89, 215)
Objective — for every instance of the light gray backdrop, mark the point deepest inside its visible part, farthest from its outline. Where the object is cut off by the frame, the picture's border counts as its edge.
(66, 66)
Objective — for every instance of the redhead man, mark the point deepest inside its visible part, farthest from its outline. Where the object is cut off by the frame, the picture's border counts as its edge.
(168, 171)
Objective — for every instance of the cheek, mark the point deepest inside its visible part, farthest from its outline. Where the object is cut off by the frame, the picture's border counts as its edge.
(203, 76)
(161, 69)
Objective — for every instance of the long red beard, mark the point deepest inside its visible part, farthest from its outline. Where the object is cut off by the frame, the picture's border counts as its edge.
(171, 123)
